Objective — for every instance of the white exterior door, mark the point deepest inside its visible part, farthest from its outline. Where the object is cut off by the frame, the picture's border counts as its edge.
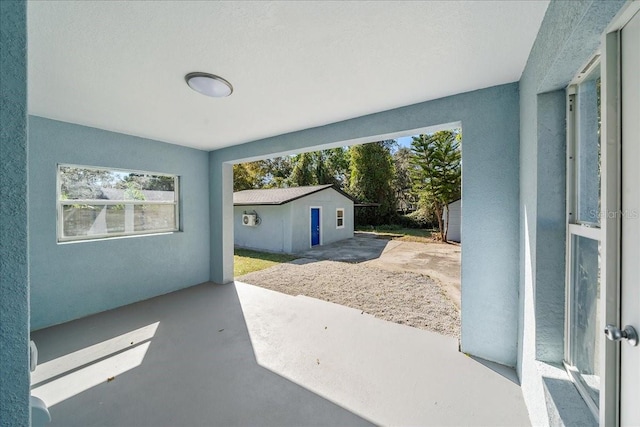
(630, 235)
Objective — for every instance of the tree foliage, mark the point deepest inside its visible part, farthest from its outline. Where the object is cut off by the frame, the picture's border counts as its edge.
(321, 167)
(303, 171)
(402, 183)
(437, 171)
(83, 183)
(372, 174)
(250, 175)
(277, 172)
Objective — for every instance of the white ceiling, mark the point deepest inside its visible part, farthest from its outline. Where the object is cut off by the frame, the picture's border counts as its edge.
(121, 65)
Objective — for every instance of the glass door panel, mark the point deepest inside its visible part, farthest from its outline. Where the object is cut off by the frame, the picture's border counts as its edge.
(583, 333)
(585, 313)
(588, 149)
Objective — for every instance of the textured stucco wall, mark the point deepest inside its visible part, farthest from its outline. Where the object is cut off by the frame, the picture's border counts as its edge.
(73, 280)
(569, 36)
(273, 233)
(328, 200)
(14, 273)
(490, 223)
(550, 226)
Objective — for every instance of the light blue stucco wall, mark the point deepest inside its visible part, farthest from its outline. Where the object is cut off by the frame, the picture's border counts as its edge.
(73, 280)
(568, 37)
(490, 223)
(14, 272)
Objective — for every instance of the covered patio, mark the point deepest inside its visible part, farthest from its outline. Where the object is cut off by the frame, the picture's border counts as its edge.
(131, 328)
(242, 355)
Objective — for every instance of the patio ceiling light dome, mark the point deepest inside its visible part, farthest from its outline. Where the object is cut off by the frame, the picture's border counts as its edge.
(209, 84)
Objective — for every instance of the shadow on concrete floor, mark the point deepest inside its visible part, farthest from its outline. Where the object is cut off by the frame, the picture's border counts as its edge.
(506, 371)
(182, 359)
(238, 355)
(388, 373)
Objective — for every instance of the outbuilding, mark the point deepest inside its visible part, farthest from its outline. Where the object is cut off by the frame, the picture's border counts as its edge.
(454, 219)
(291, 219)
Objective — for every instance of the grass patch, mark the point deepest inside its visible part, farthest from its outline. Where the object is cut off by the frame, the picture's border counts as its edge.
(397, 232)
(247, 261)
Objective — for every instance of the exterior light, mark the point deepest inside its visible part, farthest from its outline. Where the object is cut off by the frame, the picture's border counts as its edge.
(209, 84)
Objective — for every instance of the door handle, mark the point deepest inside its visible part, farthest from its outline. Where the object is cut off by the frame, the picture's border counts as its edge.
(628, 333)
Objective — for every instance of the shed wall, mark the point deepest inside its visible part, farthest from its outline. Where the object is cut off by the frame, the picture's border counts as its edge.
(455, 212)
(329, 200)
(273, 234)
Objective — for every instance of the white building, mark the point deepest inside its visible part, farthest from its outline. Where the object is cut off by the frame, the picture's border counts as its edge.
(454, 219)
(293, 219)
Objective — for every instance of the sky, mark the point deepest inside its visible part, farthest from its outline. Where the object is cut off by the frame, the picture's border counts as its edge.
(405, 141)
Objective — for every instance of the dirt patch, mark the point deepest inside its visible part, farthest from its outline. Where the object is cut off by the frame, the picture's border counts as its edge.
(440, 261)
(403, 297)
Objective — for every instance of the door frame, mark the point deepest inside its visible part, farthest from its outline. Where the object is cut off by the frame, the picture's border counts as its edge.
(611, 170)
(311, 208)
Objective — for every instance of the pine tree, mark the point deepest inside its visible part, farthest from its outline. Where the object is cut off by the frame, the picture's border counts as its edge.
(437, 174)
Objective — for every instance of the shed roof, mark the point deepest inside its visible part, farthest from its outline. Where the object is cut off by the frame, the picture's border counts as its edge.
(278, 196)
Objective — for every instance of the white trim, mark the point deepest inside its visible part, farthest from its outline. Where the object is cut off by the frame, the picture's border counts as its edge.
(623, 17)
(585, 231)
(114, 236)
(319, 225)
(576, 379)
(611, 132)
(101, 168)
(338, 210)
(113, 202)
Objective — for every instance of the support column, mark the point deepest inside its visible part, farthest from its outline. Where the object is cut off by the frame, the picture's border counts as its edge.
(14, 250)
(221, 221)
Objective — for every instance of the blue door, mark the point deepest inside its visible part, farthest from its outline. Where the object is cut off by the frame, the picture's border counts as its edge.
(315, 226)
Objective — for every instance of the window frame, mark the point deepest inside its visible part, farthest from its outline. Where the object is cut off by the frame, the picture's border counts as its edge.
(338, 218)
(580, 228)
(60, 238)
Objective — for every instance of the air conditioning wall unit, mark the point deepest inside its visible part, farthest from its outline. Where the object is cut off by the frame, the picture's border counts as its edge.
(249, 220)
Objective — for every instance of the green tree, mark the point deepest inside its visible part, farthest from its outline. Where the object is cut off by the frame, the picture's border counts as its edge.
(321, 167)
(402, 183)
(437, 171)
(371, 180)
(302, 173)
(278, 171)
(84, 183)
(337, 165)
(247, 176)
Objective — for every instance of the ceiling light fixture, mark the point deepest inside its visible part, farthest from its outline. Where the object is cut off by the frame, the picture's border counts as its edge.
(209, 84)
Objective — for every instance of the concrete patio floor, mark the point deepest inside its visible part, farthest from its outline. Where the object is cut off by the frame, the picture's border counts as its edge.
(242, 355)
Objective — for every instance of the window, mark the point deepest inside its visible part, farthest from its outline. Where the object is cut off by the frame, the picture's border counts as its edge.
(583, 241)
(95, 203)
(340, 218)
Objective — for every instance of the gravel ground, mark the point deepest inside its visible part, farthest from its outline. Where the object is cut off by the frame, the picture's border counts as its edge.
(406, 298)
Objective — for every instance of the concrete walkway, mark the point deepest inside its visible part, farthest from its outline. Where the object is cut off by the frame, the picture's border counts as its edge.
(242, 355)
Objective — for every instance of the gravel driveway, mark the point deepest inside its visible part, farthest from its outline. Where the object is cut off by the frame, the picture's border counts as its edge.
(402, 297)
